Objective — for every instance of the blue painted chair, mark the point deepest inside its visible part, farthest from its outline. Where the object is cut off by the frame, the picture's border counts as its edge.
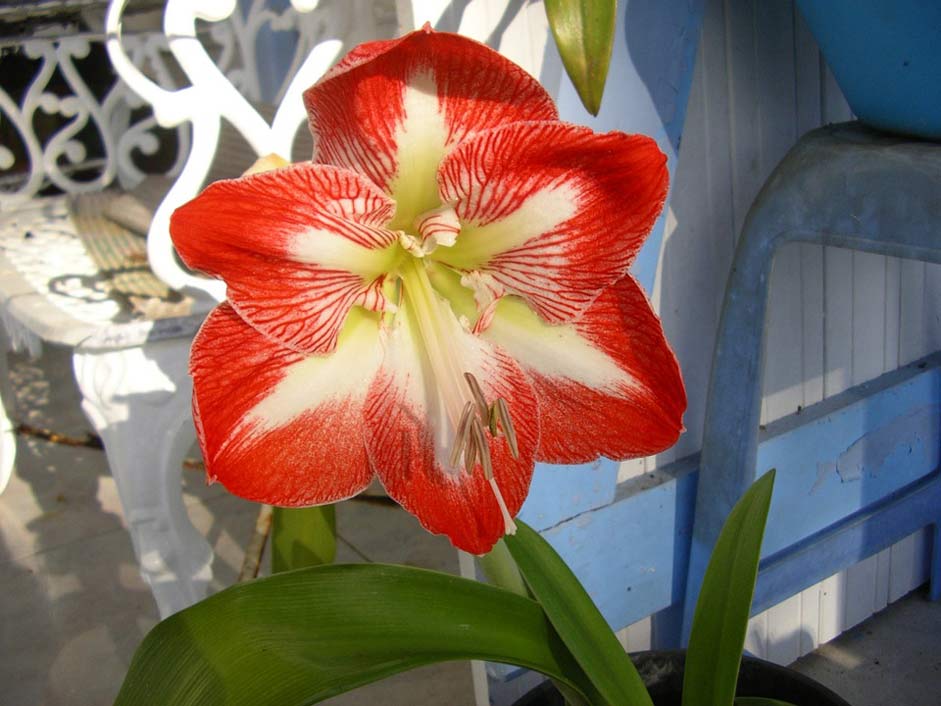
(851, 187)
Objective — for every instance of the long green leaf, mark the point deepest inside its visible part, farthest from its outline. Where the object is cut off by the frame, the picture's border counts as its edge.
(303, 636)
(302, 537)
(717, 636)
(577, 620)
(759, 701)
(584, 33)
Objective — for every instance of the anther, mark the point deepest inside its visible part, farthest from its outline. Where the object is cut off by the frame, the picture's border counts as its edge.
(460, 438)
(470, 452)
(493, 422)
(506, 422)
(478, 396)
(483, 447)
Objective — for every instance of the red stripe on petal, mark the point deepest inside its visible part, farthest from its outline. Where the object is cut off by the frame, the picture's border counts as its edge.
(285, 450)
(552, 212)
(403, 419)
(584, 414)
(296, 247)
(358, 109)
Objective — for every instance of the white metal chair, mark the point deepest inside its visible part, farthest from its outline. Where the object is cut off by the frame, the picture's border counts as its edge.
(132, 370)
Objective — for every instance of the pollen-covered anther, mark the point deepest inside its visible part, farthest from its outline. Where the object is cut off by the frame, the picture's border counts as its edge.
(479, 398)
(483, 448)
(460, 437)
(500, 413)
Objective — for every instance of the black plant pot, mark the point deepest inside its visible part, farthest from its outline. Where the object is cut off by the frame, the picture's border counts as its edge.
(662, 672)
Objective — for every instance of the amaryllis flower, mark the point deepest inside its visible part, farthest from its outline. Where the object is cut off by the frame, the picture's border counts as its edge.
(440, 298)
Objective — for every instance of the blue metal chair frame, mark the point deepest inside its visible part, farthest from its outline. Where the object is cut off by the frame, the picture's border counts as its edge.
(846, 186)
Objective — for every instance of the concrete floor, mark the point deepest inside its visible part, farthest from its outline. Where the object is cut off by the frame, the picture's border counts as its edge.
(73, 607)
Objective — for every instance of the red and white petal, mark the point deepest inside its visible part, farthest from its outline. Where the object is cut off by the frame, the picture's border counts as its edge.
(297, 247)
(278, 426)
(394, 109)
(607, 383)
(409, 436)
(552, 212)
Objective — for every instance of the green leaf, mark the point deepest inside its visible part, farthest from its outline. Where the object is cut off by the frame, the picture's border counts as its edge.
(759, 701)
(717, 636)
(584, 33)
(303, 636)
(302, 537)
(573, 614)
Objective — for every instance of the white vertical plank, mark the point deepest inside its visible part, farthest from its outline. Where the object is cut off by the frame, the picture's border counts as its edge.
(891, 350)
(831, 607)
(783, 374)
(932, 307)
(745, 114)
(810, 619)
(869, 309)
(883, 572)
(912, 338)
(808, 114)
(812, 322)
(902, 568)
(922, 547)
(784, 631)
(756, 636)
(636, 637)
(838, 269)
(859, 592)
(893, 321)
(838, 319)
(631, 469)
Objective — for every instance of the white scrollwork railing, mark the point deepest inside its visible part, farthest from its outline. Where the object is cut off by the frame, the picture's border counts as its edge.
(212, 96)
(64, 131)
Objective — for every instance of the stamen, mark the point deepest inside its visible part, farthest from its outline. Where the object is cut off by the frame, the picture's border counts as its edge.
(508, 524)
(492, 422)
(460, 437)
(507, 423)
(470, 453)
(483, 447)
(478, 396)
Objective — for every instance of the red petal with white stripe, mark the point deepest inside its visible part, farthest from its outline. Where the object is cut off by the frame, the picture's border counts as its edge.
(409, 438)
(552, 212)
(393, 109)
(297, 247)
(277, 426)
(607, 383)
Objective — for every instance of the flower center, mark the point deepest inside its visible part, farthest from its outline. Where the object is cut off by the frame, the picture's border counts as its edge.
(439, 226)
(468, 413)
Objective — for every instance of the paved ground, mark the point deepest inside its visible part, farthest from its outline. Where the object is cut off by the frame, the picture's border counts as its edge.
(73, 607)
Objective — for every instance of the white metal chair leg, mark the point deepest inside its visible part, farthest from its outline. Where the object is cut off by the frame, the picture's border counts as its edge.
(138, 399)
(7, 433)
(7, 439)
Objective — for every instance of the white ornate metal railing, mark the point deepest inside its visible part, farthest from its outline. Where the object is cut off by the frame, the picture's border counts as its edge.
(97, 138)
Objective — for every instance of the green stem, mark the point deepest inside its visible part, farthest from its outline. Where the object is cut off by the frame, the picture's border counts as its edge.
(502, 571)
(303, 537)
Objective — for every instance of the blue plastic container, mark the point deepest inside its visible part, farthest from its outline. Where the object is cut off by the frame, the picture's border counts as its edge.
(886, 56)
